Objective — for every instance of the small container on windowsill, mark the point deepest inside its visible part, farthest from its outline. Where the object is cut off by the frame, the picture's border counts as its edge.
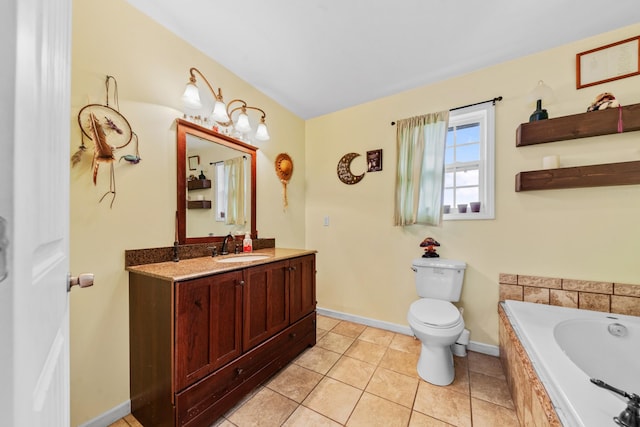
(462, 208)
(446, 209)
(475, 206)
(550, 162)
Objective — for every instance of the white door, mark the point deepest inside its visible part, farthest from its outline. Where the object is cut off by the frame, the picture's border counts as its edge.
(34, 175)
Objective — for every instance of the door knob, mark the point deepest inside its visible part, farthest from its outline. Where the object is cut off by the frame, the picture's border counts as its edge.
(83, 280)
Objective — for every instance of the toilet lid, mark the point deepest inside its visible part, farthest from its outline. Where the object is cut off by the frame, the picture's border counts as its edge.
(435, 313)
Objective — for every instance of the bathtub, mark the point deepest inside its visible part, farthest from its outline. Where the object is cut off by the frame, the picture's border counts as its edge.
(569, 346)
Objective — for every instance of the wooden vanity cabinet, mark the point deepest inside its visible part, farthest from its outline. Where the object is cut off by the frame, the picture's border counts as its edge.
(199, 346)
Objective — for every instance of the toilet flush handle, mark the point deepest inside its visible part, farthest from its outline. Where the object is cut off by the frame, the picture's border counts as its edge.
(415, 270)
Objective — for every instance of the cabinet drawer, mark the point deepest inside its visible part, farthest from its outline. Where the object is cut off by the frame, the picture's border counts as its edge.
(210, 398)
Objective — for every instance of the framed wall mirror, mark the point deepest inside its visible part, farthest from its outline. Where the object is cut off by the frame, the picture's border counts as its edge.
(218, 197)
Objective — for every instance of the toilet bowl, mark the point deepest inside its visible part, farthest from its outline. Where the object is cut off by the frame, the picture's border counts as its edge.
(437, 324)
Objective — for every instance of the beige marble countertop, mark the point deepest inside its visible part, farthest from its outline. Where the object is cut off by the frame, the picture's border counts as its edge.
(205, 266)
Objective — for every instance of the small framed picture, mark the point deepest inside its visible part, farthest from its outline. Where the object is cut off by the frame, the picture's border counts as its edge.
(374, 160)
(194, 161)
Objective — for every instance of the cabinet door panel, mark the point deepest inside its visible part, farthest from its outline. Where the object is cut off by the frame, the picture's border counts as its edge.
(277, 301)
(266, 309)
(208, 325)
(226, 321)
(303, 286)
(193, 328)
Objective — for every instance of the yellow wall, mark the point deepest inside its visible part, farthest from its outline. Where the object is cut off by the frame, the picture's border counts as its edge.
(151, 66)
(591, 234)
(363, 262)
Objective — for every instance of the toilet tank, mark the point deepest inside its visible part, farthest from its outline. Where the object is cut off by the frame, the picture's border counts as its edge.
(439, 278)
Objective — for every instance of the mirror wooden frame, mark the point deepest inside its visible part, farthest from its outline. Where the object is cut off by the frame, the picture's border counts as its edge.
(182, 129)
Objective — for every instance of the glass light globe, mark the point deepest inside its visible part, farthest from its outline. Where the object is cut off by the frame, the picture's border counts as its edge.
(191, 96)
(242, 125)
(262, 134)
(220, 112)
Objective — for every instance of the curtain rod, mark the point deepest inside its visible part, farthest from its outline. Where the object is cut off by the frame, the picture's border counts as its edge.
(222, 161)
(494, 100)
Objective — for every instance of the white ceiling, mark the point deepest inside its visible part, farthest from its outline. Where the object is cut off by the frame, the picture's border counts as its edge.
(319, 56)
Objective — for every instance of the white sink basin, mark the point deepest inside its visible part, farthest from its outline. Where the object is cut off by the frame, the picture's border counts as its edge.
(244, 258)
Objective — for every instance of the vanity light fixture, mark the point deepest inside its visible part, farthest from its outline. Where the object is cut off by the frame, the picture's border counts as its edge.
(540, 93)
(191, 97)
(262, 134)
(242, 124)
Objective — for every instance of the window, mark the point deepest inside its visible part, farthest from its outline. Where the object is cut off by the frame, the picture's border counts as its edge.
(469, 162)
(221, 193)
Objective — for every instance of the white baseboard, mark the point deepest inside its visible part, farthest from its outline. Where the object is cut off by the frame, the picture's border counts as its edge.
(110, 417)
(478, 347)
(388, 326)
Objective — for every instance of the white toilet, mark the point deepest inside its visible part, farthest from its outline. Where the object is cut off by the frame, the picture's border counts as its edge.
(433, 319)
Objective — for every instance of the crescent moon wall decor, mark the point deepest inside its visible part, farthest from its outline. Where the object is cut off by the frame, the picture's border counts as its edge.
(344, 170)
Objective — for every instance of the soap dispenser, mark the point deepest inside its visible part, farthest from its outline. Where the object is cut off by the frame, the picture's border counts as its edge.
(247, 243)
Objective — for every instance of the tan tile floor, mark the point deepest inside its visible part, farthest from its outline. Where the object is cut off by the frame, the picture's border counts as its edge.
(362, 376)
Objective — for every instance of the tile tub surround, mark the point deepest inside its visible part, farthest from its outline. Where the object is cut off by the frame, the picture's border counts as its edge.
(531, 400)
(532, 403)
(608, 297)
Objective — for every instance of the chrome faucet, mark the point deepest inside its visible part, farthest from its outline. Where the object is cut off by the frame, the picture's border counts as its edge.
(630, 417)
(176, 258)
(224, 250)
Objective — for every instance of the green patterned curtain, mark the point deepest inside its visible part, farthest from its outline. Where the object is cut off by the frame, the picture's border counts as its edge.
(420, 143)
(235, 190)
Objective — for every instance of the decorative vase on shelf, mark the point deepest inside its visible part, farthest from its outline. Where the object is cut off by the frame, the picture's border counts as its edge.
(540, 113)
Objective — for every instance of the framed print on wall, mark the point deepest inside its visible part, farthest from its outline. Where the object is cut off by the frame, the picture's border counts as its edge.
(607, 63)
(374, 160)
(194, 161)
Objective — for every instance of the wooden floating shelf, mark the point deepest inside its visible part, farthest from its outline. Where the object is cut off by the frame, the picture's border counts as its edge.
(197, 184)
(625, 173)
(576, 126)
(198, 204)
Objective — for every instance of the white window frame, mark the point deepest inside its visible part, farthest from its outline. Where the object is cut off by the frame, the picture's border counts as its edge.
(485, 115)
(220, 195)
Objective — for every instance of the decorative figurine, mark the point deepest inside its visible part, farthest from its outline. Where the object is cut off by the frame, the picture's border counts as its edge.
(429, 244)
(603, 101)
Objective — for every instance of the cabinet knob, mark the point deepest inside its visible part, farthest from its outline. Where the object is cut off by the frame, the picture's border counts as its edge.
(292, 269)
(239, 371)
(241, 283)
(293, 335)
